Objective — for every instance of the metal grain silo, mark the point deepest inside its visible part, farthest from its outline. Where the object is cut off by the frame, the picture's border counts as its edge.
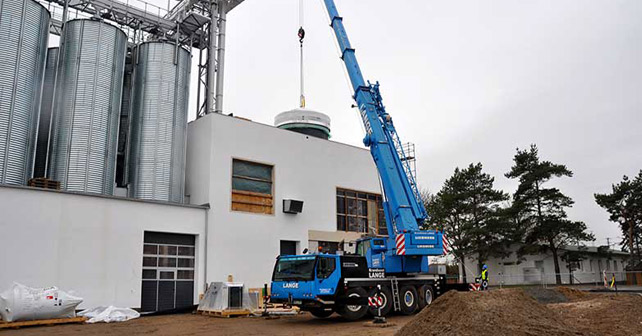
(87, 106)
(24, 30)
(44, 126)
(159, 121)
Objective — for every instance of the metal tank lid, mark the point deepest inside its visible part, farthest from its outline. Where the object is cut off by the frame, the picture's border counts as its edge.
(302, 116)
(302, 120)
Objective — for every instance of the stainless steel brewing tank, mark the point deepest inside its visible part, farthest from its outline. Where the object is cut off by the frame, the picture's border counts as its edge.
(87, 106)
(159, 121)
(44, 126)
(24, 30)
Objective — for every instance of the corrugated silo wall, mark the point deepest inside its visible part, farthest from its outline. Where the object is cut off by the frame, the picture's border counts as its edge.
(87, 106)
(24, 30)
(42, 148)
(159, 122)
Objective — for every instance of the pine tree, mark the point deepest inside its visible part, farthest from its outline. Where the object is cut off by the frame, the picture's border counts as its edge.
(540, 211)
(467, 210)
(624, 205)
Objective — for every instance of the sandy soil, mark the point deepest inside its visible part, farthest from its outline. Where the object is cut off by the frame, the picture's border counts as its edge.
(533, 311)
(191, 324)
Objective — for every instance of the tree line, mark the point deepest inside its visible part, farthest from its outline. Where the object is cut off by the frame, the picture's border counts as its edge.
(479, 220)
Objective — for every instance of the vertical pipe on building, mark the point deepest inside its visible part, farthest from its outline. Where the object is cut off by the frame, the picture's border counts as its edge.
(65, 11)
(220, 56)
(210, 94)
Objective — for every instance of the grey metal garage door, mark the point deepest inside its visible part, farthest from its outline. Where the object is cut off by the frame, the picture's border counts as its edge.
(168, 271)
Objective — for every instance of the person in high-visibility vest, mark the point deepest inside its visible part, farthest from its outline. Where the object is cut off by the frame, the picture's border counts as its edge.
(484, 277)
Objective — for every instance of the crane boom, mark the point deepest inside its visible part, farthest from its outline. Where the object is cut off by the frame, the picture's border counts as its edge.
(408, 246)
(406, 211)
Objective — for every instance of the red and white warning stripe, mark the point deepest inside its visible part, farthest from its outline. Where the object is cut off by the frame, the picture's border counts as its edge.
(475, 287)
(401, 244)
(375, 301)
(445, 244)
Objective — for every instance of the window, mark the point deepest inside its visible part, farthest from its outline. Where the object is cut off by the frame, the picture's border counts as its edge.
(325, 267)
(360, 212)
(252, 187)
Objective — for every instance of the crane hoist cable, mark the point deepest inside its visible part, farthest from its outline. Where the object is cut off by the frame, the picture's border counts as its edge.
(301, 35)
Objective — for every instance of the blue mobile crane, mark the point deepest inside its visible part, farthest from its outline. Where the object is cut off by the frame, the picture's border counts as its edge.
(393, 268)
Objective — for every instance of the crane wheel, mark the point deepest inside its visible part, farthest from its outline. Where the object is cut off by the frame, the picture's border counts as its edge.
(409, 300)
(353, 312)
(321, 312)
(426, 295)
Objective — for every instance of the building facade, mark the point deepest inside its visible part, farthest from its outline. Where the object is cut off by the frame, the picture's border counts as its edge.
(152, 255)
(540, 268)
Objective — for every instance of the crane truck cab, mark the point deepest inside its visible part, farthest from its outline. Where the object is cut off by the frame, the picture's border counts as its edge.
(314, 283)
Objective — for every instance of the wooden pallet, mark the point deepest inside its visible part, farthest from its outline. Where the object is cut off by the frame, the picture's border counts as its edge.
(20, 324)
(226, 313)
(45, 183)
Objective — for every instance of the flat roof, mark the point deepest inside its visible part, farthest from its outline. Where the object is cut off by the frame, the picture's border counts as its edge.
(242, 119)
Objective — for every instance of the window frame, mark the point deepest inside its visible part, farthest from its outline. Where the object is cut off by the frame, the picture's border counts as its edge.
(359, 197)
(245, 193)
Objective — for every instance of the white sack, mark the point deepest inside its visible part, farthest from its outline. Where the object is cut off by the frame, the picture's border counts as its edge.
(109, 314)
(25, 303)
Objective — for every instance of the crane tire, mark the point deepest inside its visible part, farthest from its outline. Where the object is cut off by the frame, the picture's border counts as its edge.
(353, 312)
(409, 299)
(426, 295)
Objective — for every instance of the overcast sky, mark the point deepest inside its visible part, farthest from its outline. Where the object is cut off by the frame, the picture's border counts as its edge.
(466, 81)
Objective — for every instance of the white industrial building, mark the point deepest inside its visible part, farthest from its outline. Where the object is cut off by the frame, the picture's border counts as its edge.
(104, 247)
(540, 268)
(104, 116)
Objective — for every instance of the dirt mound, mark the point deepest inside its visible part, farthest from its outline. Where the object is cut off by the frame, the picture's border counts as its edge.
(545, 295)
(495, 312)
(603, 314)
(572, 294)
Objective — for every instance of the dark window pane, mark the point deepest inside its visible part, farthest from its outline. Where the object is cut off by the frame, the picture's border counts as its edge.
(362, 208)
(166, 262)
(352, 224)
(361, 195)
(150, 249)
(341, 205)
(182, 262)
(149, 261)
(166, 275)
(149, 274)
(252, 169)
(351, 193)
(363, 224)
(185, 251)
(185, 274)
(167, 250)
(383, 229)
(352, 206)
(372, 197)
(341, 223)
(340, 192)
(239, 183)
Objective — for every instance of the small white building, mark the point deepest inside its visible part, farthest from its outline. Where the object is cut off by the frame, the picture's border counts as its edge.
(540, 268)
(155, 255)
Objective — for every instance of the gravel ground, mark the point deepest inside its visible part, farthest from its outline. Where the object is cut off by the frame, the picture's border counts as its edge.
(192, 324)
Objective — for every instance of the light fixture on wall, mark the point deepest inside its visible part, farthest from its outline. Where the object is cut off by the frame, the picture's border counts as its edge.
(292, 206)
